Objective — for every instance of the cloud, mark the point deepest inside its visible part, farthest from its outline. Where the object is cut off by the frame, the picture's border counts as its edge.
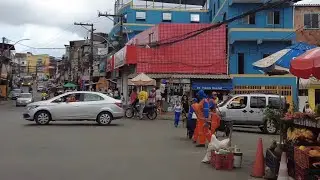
(49, 23)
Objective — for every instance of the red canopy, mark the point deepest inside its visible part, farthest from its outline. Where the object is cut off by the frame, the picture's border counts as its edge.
(307, 65)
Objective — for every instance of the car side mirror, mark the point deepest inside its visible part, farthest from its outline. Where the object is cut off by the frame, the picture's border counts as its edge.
(229, 106)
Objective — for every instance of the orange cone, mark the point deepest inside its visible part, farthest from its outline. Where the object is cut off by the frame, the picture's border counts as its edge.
(283, 170)
(258, 167)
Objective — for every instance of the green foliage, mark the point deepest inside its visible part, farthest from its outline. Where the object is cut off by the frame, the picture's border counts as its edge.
(274, 114)
(317, 110)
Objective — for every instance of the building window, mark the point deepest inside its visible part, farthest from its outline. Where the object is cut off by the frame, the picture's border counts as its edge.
(240, 63)
(273, 17)
(214, 9)
(195, 18)
(166, 17)
(125, 18)
(311, 21)
(250, 19)
(218, 4)
(140, 16)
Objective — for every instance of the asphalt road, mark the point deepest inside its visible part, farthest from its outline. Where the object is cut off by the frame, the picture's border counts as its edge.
(128, 149)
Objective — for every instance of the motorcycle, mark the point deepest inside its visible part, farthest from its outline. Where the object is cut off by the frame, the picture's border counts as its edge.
(150, 110)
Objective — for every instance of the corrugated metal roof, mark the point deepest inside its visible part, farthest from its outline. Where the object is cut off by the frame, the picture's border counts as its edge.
(185, 76)
(308, 3)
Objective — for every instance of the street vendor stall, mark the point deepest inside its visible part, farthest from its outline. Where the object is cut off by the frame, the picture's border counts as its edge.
(300, 132)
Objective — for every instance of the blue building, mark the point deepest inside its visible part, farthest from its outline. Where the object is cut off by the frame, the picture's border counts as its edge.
(140, 15)
(249, 39)
(252, 38)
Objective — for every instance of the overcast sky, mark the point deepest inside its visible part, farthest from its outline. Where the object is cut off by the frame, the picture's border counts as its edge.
(49, 23)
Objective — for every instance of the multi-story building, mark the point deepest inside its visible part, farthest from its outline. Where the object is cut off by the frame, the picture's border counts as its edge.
(20, 59)
(307, 26)
(306, 23)
(254, 37)
(248, 39)
(139, 15)
(5, 65)
(38, 65)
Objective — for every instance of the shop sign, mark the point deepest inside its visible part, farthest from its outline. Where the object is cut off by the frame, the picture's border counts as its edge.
(119, 58)
(216, 86)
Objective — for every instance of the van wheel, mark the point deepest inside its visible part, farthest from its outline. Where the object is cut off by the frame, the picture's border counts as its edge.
(270, 126)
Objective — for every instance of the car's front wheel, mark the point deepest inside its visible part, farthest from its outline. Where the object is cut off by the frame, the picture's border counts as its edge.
(104, 118)
(42, 117)
(270, 126)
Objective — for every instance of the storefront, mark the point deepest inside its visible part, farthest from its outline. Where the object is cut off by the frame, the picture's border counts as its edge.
(221, 87)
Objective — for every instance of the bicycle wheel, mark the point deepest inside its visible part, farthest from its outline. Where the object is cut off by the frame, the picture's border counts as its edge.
(129, 113)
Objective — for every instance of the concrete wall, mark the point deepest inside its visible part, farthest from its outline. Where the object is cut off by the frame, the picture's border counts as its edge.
(310, 36)
(252, 52)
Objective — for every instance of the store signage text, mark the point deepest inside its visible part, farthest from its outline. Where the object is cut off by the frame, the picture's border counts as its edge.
(119, 58)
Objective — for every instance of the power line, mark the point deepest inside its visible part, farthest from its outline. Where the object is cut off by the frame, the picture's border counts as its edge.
(192, 34)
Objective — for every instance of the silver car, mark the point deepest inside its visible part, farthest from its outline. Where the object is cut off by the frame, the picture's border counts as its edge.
(24, 99)
(15, 94)
(75, 106)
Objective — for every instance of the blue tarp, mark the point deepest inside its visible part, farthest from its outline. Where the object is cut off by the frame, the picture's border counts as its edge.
(283, 57)
(296, 50)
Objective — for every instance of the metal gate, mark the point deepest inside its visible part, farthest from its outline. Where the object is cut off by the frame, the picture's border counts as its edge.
(279, 90)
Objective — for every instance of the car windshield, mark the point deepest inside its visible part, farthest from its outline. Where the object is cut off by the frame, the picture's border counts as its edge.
(17, 90)
(25, 95)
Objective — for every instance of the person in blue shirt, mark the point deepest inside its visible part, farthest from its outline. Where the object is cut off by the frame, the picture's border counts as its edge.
(192, 120)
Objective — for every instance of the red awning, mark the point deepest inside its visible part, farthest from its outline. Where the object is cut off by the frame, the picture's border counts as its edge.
(307, 65)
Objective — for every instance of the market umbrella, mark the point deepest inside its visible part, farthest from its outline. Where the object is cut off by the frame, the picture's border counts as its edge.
(281, 59)
(307, 65)
(69, 85)
(143, 80)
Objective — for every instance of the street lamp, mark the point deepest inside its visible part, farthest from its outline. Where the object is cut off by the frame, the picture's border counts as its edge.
(15, 44)
(104, 39)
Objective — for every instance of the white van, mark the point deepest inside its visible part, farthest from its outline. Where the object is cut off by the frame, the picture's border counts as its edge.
(248, 109)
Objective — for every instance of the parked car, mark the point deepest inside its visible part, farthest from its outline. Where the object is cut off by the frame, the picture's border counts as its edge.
(248, 109)
(15, 93)
(76, 106)
(24, 99)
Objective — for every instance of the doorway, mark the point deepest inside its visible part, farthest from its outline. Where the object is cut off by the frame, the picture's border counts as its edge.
(317, 97)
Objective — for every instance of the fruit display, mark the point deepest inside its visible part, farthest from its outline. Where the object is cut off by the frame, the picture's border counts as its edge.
(294, 134)
(314, 152)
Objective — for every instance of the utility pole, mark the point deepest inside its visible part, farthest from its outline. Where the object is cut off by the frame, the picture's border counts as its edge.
(121, 16)
(91, 50)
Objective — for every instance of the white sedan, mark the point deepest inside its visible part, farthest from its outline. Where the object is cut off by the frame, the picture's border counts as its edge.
(75, 106)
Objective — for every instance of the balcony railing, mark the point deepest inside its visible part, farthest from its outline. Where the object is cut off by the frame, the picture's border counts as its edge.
(143, 4)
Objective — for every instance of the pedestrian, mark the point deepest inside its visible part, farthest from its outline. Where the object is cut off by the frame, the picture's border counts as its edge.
(152, 96)
(116, 94)
(214, 121)
(202, 111)
(192, 119)
(177, 113)
(143, 98)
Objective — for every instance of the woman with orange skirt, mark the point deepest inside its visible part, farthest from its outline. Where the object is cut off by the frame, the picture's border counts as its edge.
(214, 121)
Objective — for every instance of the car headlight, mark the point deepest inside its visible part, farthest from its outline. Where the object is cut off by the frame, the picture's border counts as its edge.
(32, 107)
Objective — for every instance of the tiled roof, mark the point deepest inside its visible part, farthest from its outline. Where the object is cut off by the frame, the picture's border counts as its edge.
(185, 76)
